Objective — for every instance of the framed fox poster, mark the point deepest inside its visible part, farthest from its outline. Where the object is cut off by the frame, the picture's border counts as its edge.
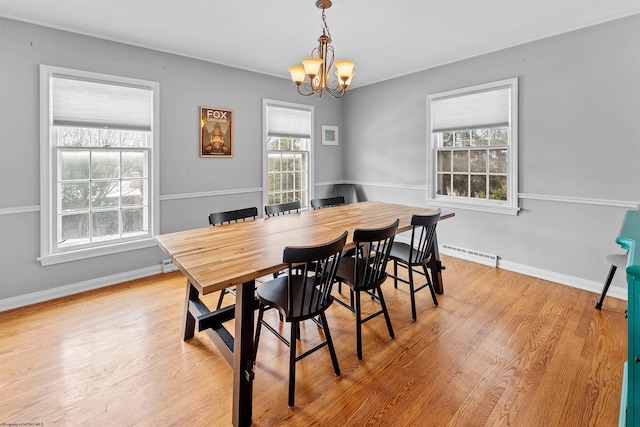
(216, 132)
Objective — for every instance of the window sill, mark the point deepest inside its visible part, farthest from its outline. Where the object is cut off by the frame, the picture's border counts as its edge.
(497, 209)
(70, 256)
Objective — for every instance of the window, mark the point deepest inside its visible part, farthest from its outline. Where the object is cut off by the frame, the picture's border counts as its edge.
(473, 140)
(99, 192)
(288, 152)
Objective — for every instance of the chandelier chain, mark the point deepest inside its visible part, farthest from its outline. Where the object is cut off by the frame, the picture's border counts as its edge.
(325, 27)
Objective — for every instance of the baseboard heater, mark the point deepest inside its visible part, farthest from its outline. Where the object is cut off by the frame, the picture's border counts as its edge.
(470, 255)
(168, 266)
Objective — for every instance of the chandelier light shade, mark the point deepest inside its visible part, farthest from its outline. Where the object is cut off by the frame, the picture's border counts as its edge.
(313, 76)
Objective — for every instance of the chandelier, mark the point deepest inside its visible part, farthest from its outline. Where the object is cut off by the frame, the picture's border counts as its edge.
(313, 75)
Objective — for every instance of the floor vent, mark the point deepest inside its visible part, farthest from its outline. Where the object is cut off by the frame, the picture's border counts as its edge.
(470, 255)
(168, 266)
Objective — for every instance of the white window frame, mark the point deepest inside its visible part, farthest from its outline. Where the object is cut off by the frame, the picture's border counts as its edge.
(508, 207)
(265, 157)
(48, 253)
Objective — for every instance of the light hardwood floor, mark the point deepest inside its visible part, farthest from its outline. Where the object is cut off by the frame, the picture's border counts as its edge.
(502, 349)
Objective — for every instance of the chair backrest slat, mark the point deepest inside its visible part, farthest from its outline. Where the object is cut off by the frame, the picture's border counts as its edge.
(372, 253)
(283, 208)
(423, 232)
(311, 274)
(226, 217)
(328, 202)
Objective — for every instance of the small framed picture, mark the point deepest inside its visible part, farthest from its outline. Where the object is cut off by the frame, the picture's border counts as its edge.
(329, 135)
(216, 132)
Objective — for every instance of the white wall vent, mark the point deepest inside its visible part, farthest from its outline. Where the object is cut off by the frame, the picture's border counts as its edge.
(470, 255)
(168, 266)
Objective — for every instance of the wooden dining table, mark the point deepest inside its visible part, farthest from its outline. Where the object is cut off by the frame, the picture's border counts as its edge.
(216, 258)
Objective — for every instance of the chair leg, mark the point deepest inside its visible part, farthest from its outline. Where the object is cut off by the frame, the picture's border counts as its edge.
(412, 293)
(258, 329)
(292, 363)
(386, 313)
(395, 274)
(430, 285)
(358, 326)
(332, 351)
(222, 292)
(607, 283)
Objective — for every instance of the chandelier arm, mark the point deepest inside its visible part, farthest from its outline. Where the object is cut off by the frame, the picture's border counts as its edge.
(330, 57)
(305, 94)
(308, 86)
(336, 93)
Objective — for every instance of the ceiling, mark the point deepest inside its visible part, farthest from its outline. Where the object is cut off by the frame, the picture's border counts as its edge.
(386, 38)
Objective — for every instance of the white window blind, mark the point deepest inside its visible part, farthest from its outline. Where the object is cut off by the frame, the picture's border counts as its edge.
(86, 103)
(483, 109)
(288, 122)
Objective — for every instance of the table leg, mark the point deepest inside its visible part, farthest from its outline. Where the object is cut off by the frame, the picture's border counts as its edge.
(436, 268)
(243, 355)
(189, 322)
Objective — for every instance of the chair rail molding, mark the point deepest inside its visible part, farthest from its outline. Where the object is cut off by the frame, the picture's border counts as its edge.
(19, 210)
(581, 200)
(234, 191)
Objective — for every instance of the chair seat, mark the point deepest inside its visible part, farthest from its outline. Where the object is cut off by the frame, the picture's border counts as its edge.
(619, 260)
(401, 251)
(274, 294)
(616, 261)
(347, 273)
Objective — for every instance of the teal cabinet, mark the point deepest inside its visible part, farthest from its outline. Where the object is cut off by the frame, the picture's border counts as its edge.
(630, 400)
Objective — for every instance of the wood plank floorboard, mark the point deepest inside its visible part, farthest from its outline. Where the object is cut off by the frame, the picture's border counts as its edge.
(501, 349)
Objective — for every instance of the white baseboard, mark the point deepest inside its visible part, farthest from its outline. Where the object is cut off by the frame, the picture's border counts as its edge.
(76, 288)
(551, 276)
(563, 279)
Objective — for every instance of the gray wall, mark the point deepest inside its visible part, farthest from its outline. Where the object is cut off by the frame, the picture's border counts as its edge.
(185, 84)
(579, 146)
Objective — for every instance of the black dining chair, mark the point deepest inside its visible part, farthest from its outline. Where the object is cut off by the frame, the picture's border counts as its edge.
(327, 202)
(348, 191)
(616, 261)
(416, 254)
(365, 271)
(619, 260)
(304, 293)
(283, 208)
(228, 217)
